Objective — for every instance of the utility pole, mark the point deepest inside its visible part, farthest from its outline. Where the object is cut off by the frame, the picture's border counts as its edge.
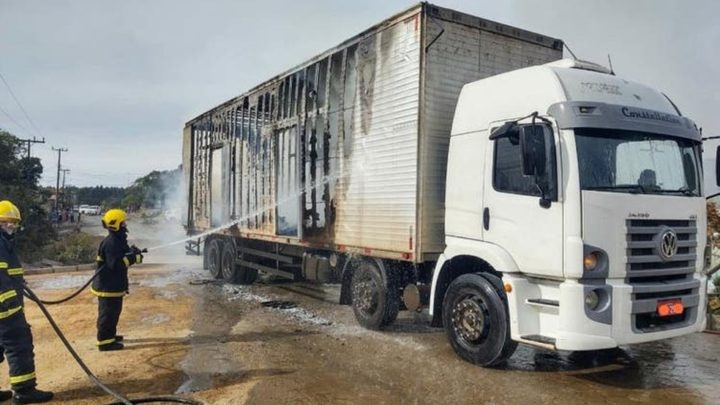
(30, 142)
(64, 171)
(57, 183)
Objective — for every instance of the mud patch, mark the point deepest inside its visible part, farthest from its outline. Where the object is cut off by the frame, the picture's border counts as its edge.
(279, 304)
(209, 357)
(288, 308)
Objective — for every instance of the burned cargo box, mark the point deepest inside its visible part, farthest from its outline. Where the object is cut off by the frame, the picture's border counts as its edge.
(347, 151)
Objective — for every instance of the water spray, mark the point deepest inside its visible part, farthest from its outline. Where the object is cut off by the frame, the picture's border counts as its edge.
(325, 180)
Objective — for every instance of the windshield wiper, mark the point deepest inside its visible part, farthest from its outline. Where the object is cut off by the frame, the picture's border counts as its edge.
(681, 190)
(631, 188)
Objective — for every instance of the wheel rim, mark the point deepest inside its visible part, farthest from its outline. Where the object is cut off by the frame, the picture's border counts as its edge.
(470, 319)
(366, 294)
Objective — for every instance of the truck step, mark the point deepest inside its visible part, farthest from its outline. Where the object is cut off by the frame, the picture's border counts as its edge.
(541, 302)
(546, 342)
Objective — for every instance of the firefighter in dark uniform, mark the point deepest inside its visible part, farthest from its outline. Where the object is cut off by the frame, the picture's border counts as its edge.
(111, 284)
(15, 336)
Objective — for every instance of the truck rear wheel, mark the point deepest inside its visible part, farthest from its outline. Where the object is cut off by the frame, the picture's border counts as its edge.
(213, 253)
(232, 272)
(375, 302)
(476, 321)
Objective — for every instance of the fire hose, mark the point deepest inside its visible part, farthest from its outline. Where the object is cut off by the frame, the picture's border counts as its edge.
(121, 399)
(84, 286)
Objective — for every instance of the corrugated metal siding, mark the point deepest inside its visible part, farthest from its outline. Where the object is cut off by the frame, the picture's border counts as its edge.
(461, 54)
(377, 204)
(327, 152)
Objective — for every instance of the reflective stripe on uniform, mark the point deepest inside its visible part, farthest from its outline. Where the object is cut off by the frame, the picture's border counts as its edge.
(99, 259)
(17, 271)
(138, 259)
(105, 342)
(126, 261)
(107, 294)
(11, 311)
(7, 294)
(3, 265)
(21, 378)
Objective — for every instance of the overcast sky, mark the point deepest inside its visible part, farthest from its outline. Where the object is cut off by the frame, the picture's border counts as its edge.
(115, 81)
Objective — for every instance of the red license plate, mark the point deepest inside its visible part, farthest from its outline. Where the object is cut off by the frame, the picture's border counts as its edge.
(670, 308)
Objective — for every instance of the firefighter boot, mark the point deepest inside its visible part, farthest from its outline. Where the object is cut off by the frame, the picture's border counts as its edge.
(111, 347)
(31, 396)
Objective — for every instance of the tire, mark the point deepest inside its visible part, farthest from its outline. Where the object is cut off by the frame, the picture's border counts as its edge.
(375, 302)
(476, 321)
(231, 271)
(249, 275)
(228, 266)
(213, 252)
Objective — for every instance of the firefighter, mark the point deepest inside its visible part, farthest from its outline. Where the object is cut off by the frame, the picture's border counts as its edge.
(111, 284)
(15, 336)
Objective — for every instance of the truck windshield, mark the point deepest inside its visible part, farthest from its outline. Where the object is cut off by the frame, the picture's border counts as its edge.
(637, 162)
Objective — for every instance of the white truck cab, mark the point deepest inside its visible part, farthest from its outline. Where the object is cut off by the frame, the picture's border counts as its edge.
(574, 215)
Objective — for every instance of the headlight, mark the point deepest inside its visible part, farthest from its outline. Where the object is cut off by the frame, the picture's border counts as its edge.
(592, 300)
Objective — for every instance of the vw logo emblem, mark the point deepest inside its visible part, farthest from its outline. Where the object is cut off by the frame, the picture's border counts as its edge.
(668, 244)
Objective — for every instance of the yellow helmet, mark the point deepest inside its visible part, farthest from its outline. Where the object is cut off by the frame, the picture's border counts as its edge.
(113, 219)
(9, 212)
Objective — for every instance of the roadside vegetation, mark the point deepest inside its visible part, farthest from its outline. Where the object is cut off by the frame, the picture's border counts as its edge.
(39, 241)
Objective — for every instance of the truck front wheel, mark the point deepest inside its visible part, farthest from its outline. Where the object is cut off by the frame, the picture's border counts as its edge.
(213, 252)
(375, 302)
(476, 321)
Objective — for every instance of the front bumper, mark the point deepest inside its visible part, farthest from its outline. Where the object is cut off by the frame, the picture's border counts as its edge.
(629, 319)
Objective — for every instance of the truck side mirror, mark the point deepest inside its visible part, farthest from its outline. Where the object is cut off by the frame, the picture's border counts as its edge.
(533, 150)
(507, 129)
(717, 166)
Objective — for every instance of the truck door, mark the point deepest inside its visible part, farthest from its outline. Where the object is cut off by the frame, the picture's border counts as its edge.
(513, 216)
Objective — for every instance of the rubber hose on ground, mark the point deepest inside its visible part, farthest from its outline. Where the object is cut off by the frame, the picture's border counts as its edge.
(121, 398)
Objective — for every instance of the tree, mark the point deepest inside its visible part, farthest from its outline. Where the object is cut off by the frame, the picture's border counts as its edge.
(97, 195)
(19, 178)
(155, 190)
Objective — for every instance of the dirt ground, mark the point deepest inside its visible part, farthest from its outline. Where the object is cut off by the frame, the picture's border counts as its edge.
(276, 342)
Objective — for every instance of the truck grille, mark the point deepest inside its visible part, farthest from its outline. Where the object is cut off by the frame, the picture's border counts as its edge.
(656, 276)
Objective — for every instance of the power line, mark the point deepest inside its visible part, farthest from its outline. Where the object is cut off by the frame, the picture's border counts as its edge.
(13, 120)
(12, 93)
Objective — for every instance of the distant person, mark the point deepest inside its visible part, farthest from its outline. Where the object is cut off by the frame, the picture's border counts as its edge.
(111, 284)
(15, 335)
